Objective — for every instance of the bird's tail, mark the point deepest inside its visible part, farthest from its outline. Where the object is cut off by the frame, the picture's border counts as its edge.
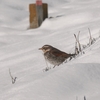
(72, 56)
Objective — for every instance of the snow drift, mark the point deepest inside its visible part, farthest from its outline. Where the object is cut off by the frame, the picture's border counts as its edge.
(19, 51)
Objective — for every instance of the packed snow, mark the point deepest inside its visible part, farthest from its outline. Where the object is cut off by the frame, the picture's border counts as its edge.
(78, 79)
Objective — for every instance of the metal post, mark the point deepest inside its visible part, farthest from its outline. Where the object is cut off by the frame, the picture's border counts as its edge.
(39, 9)
(38, 13)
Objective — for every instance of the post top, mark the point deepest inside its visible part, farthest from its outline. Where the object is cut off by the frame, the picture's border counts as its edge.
(38, 2)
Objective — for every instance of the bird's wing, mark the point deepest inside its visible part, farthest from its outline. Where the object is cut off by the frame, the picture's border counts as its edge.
(59, 53)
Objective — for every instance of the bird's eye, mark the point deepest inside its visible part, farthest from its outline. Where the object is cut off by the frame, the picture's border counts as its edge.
(44, 48)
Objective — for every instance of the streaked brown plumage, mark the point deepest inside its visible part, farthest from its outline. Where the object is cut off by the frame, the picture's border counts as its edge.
(54, 55)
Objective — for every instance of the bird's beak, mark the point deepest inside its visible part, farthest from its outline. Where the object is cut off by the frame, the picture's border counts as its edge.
(40, 48)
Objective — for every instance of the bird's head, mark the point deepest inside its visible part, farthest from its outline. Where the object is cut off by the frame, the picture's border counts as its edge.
(46, 48)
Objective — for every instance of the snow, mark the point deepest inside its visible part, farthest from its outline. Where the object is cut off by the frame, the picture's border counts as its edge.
(19, 51)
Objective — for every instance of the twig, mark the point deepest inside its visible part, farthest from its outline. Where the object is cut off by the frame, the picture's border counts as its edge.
(76, 98)
(76, 48)
(77, 42)
(90, 40)
(84, 98)
(13, 79)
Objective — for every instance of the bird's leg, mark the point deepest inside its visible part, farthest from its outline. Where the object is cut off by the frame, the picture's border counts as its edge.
(70, 58)
(54, 66)
(66, 61)
(47, 68)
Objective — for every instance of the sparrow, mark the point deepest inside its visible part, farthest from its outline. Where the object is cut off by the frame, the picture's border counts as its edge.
(55, 56)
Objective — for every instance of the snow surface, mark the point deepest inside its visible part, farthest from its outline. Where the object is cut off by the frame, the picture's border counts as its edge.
(19, 51)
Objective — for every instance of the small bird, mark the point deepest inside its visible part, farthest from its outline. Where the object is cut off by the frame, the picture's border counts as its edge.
(55, 56)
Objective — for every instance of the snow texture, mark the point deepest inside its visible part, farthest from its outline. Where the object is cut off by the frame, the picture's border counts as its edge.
(19, 51)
